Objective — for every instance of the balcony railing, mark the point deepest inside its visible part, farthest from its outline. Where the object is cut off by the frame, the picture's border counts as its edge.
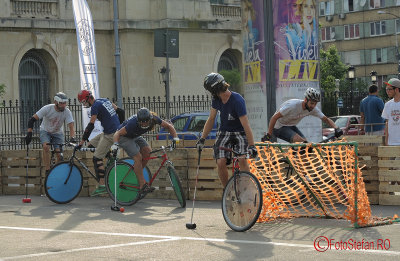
(234, 11)
(34, 8)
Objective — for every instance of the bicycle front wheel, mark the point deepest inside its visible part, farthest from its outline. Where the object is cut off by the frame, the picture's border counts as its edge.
(177, 186)
(127, 183)
(63, 183)
(241, 213)
(146, 172)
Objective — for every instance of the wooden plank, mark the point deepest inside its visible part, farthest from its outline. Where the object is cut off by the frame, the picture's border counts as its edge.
(373, 199)
(389, 175)
(204, 173)
(371, 186)
(386, 163)
(203, 163)
(368, 163)
(386, 199)
(205, 185)
(205, 153)
(8, 190)
(388, 151)
(21, 163)
(32, 172)
(21, 154)
(386, 187)
(368, 151)
(21, 180)
(365, 138)
(207, 194)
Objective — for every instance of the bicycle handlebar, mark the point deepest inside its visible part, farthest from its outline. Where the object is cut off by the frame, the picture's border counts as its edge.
(162, 148)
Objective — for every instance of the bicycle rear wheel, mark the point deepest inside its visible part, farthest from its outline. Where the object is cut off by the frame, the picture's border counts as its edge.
(177, 186)
(63, 183)
(241, 214)
(127, 183)
(146, 172)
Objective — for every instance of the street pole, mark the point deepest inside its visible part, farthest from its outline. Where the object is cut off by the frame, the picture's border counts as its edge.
(167, 76)
(351, 96)
(117, 56)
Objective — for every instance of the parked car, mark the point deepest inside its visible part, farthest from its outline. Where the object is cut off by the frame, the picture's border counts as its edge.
(190, 125)
(345, 123)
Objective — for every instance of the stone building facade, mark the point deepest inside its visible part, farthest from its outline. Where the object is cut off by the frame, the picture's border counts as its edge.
(39, 55)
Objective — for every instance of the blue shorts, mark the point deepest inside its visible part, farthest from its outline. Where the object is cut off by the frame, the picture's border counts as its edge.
(287, 133)
(54, 138)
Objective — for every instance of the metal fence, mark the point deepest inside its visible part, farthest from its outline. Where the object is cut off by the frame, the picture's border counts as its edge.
(14, 116)
(351, 103)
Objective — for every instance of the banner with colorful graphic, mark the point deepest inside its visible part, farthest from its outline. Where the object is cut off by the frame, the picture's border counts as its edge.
(297, 56)
(254, 66)
(87, 57)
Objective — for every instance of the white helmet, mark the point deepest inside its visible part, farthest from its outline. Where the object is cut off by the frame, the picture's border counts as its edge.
(61, 97)
(312, 94)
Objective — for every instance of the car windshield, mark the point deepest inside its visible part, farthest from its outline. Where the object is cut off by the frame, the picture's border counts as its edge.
(197, 123)
(180, 123)
(341, 122)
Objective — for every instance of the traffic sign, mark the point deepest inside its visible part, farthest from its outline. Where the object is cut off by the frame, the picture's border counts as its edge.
(339, 103)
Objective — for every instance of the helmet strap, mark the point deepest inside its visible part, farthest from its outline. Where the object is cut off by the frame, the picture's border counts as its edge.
(306, 105)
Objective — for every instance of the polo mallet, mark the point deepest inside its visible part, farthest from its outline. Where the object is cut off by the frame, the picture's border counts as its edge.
(115, 207)
(26, 199)
(192, 225)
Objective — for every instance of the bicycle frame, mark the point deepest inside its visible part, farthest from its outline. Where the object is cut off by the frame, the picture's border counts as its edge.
(164, 158)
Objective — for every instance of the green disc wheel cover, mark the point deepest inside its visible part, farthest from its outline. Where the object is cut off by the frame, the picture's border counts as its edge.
(127, 183)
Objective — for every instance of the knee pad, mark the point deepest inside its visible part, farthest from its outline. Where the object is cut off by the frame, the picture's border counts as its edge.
(99, 172)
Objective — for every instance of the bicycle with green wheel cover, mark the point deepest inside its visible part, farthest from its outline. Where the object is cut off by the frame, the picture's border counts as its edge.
(128, 183)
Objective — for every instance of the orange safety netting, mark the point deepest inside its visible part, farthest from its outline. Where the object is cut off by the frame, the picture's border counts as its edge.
(319, 180)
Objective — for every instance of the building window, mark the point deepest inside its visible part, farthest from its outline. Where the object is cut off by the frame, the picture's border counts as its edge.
(376, 4)
(351, 31)
(397, 2)
(327, 8)
(380, 79)
(348, 6)
(378, 28)
(397, 25)
(379, 55)
(352, 57)
(328, 33)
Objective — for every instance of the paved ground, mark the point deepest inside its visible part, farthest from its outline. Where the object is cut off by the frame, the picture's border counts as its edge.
(87, 229)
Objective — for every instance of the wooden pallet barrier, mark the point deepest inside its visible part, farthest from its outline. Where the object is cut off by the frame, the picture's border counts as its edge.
(389, 175)
(14, 169)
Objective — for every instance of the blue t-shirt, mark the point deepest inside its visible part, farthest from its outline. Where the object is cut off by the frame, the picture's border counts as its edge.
(372, 107)
(106, 114)
(133, 129)
(230, 112)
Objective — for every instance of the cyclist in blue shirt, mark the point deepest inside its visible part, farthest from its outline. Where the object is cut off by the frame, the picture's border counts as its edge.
(235, 129)
(128, 136)
(371, 109)
(110, 117)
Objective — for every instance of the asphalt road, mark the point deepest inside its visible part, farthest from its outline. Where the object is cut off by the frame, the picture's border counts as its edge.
(154, 229)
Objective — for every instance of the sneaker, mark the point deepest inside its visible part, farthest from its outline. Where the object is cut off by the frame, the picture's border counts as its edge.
(101, 189)
(145, 190)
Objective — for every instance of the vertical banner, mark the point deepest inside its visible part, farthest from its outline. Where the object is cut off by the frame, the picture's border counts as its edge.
(87, 57)
(297, 56)
(254, 66)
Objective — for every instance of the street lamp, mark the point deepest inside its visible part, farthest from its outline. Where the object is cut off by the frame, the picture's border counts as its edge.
(337, 84)
(164, 72)
(351, 75)
(395, 35)
(373, 76)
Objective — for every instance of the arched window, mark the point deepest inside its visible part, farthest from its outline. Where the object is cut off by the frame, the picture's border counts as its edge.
(227, 61)
(33, 81)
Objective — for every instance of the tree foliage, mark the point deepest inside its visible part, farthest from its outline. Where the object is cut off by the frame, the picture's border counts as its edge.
(331, 68)
(233, 78)
(2, 89)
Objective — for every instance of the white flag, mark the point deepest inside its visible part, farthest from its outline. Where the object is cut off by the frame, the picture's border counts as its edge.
(87, 57)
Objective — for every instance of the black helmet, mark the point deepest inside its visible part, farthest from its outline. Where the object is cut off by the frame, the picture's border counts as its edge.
(61, 97)
(215, 83)
(312, 94)
(143, 116)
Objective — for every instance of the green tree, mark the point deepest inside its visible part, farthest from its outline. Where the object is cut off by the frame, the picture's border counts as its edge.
(331, 68)
(233, 78)
(2, 90)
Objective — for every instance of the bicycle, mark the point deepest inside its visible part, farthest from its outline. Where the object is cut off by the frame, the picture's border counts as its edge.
(64, 180)
(242, 199)
(128, 183)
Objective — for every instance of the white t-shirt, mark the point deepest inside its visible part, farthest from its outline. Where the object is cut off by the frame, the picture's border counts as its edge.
(53, 120)
(391, 112)
(293, 112)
